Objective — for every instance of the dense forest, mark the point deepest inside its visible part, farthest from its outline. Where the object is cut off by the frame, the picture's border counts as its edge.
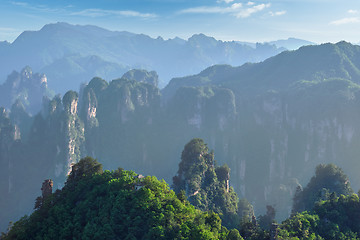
(120, 204)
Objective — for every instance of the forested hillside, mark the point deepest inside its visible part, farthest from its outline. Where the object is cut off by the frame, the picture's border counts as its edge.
(97, 204)
(272, 123)
(120, 204)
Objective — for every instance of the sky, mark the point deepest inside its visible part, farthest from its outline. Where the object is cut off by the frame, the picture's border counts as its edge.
(318, 21)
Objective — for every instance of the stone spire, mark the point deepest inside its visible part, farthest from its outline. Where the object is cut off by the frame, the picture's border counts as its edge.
(47, 188)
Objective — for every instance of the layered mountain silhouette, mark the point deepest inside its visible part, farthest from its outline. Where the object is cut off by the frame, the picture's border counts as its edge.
(72, 54)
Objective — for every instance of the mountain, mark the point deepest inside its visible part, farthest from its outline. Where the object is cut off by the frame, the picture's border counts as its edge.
(27, 87)
(72, 54)
(293, 111)
(289, 44)
(4, 44)
(271, 122)
(142, 76)
(284, 72)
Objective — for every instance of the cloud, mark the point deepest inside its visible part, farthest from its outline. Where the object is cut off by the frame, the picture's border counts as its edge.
(345, 21)
(249, 11)
(204, 9)
(352, 11)
(21, 4)
(95, 12)
(250, 3)
(37, 8)
(279, 13)
(226, 1)
(236, 9)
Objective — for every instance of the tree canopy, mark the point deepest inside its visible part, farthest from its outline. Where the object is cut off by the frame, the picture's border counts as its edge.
(328, 178)
(96, 204)
(206, 185)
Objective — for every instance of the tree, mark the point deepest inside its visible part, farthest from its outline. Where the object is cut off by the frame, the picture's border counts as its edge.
(107, 205)
(328, 178)
(234, 235)
(206, 185)
(266, 220)
(300, 226)
(84, 168)
(245, 210)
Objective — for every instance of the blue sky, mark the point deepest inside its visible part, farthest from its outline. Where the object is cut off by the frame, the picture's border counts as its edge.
(256, 21)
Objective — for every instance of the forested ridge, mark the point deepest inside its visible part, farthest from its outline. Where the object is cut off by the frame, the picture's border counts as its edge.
(120, 204)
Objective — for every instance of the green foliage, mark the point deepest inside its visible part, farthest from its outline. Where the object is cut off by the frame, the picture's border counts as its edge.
(116, 205)
(86, 167)
(328, 178)
(206, 185)
(251, 230)
(142, 76)
(234, 235)
(266, 220)
(335, 218)
(245, 210)
(300, 226)
(342, 214)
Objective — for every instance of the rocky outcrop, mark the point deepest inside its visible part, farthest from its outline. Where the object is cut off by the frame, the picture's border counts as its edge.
(143, 76)
(27, 87)
(46, 188)
(74, 131)
(9, 134)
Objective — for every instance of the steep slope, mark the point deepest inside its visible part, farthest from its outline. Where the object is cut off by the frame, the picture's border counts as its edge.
(27, 87)
(311, 63)
(54, 142)
(122, 116)
(206, 185)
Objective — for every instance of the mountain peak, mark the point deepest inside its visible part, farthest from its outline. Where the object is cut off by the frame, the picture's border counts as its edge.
(202, 39)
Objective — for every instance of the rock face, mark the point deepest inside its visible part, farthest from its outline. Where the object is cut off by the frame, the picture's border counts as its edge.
(73, 129)
(26, 87)
(143, 76)
(112, 113)
(46, 188)
(55, 141)
(9, 134)
(205, 184)
(11, 166)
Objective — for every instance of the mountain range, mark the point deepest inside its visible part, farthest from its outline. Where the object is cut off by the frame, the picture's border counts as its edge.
(72, 54)
(271, 122)
(289, 44)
